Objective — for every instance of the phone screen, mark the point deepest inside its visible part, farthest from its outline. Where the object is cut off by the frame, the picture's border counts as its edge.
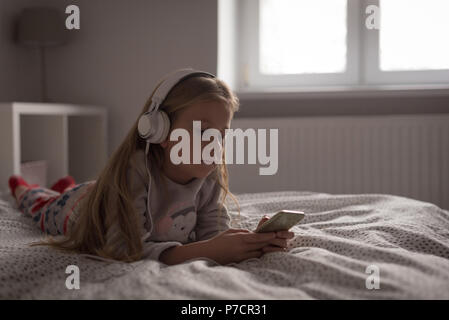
(282, 220)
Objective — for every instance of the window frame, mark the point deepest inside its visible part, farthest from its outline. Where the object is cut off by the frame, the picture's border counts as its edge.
(363, 65)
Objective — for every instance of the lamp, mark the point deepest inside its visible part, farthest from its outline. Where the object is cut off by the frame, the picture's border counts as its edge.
(40, 28)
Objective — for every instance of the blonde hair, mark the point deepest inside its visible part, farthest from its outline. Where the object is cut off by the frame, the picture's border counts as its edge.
(109, 204)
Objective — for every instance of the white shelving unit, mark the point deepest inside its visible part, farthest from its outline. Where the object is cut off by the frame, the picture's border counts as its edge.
(72, 139)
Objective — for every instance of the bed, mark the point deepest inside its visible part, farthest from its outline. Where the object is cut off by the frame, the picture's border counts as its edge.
(357, 246)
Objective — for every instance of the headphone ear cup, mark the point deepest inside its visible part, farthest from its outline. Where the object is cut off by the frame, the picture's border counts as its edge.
(160, 126)
(154, 126)
(144, 126)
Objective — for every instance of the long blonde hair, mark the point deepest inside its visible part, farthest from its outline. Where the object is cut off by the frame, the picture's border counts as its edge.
(109, 203)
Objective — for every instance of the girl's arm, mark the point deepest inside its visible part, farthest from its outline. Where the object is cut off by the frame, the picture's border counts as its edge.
(233, 245)
(179, 254)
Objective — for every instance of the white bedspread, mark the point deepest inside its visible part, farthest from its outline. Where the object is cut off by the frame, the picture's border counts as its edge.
(407, 240)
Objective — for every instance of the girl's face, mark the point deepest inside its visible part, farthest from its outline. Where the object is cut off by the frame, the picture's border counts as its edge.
(213, 115)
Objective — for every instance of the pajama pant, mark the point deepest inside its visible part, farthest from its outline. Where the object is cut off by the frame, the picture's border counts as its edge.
(51, 210)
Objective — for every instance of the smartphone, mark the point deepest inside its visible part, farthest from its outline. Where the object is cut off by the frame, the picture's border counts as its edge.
(283, 220)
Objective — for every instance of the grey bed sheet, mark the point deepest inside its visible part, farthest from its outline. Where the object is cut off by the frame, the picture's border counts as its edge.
(360, 246)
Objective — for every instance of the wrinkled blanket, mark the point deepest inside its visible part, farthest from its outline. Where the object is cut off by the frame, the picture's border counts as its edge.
(367, 246)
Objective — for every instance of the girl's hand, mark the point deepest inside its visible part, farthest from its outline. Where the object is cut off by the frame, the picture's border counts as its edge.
(235, 245)
(280, 242)
(263, 220)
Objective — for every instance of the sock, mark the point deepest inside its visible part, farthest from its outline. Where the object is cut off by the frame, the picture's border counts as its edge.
(14, 182)
(62, 184)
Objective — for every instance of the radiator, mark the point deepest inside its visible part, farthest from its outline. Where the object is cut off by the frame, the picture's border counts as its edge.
(405, 155)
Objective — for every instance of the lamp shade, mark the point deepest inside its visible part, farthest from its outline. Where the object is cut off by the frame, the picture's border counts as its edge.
(41, 27)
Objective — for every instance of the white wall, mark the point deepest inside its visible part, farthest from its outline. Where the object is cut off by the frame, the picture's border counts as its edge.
(117, 57)
(124, 47)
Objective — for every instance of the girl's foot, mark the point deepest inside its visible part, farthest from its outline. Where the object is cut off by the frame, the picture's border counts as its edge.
(17, 186)
(63, 184)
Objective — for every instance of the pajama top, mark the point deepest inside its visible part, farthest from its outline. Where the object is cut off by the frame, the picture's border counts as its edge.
(178, 214)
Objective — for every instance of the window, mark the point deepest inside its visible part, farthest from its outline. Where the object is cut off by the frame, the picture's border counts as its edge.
(297, 43)
(289, 25)
(423, 30)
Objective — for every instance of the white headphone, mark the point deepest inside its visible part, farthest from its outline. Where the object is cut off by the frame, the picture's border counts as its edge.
(154, 125)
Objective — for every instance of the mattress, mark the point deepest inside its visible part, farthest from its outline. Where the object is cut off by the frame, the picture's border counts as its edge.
(357, 246)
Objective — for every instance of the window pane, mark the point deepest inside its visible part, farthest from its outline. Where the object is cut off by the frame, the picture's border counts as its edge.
(414, 35)
(302, 36)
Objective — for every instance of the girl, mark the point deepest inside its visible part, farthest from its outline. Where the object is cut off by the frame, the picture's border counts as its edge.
(187, 218)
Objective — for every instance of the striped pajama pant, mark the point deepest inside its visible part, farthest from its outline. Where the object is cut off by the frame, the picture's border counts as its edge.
(51, 210)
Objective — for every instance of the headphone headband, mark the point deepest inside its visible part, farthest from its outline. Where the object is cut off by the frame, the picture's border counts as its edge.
(164, 89)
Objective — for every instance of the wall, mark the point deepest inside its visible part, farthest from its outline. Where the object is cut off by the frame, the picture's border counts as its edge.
(125, 47)
(117, 57)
